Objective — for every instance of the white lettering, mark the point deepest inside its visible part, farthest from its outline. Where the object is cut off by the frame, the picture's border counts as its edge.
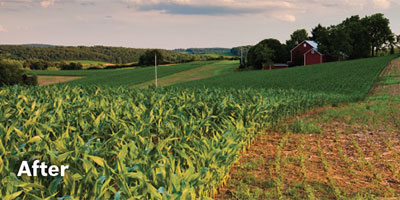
(43, 167)
(24, 169)
(45, 170)
(53, 170)
(63, 168)
(35, 166)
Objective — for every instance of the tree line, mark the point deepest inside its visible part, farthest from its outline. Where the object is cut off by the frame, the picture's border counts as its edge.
(353, 38)
(115, 55)
(205, 50)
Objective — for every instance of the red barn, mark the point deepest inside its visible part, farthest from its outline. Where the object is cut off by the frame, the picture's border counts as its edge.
(306, 53)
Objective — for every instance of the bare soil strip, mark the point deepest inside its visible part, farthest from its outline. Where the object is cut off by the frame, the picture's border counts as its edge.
(392, 69)
(357, 155)
(49, 80)
(189, 75)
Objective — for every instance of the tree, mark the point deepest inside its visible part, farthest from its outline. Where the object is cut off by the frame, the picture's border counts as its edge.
(333, 41)
(379, 31)
(397, 43)
(71, 66)
(147, 58)
(11, 74)
(281, 54)
(358, 35)
(297, 37)
(260, 55)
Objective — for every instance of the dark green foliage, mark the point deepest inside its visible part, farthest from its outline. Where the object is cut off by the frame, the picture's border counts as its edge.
(218, 51)
(354, 37)
(357, 31)
(71, 66)
(38, 64)
(336, 43)
(30, 80)
(379, 31)
(259, 56)
(148, 58)
(11, 74)
(297, 37)
(117, 55)
(281, 54)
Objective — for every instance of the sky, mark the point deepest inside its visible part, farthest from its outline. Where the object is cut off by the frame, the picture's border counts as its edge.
(171, 24)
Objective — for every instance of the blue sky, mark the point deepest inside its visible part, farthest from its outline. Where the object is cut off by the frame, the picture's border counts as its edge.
(173, 24)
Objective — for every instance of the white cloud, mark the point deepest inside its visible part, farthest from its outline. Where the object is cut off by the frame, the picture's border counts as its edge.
(381, 4)
(285, 17)
(2, 29)
(47, 3)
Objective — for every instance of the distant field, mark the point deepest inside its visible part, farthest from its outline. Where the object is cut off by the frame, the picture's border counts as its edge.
(220, 54)
(214, 69)
(350, 77)
(87, 62)
(119, 77)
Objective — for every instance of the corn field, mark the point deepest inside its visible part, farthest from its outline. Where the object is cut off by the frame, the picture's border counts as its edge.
(131, 143)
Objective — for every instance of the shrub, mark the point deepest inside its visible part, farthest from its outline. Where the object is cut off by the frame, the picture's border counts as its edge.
(11, 74)
(38, 64)
(147, 58)
(30, 80)
(71, 66)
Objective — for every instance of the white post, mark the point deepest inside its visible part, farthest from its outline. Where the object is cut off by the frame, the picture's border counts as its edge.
(155, 68)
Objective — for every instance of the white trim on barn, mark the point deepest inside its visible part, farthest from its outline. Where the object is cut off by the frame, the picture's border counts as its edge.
(311, 43)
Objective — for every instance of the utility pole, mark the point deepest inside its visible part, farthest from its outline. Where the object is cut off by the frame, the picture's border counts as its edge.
(155, 68)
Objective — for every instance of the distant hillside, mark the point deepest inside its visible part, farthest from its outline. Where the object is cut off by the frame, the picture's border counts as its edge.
(116, 55)
(236, 51)
(38, 45)
(218, 51)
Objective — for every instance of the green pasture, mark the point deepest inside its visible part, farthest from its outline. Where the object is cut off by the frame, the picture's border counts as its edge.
(353, 78)
(121, 77)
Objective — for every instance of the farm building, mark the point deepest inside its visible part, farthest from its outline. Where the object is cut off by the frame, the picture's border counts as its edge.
(306, 53)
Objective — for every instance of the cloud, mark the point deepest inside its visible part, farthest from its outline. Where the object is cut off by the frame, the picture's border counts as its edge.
(209, 7)
(279, 10)
(286, 17)
(46, 3)
(2, 29)
(381, 4)
(187, 9)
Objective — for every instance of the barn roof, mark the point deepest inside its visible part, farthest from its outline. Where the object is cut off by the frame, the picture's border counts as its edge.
(312, 43)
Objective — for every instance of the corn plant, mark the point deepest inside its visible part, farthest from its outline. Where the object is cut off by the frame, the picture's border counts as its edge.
(120, 143)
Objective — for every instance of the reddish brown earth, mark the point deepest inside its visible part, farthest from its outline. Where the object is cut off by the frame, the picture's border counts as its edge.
(49, 80)
(357, 154)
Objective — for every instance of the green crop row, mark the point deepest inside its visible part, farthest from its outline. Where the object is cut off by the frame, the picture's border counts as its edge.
(134, 144)
(353, 78)
(120, 77)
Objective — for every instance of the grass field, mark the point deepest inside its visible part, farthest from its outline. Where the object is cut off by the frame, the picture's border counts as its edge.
(348, 78)
(121, 77)
(206, 71)
(87, 62)
(176, 142)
